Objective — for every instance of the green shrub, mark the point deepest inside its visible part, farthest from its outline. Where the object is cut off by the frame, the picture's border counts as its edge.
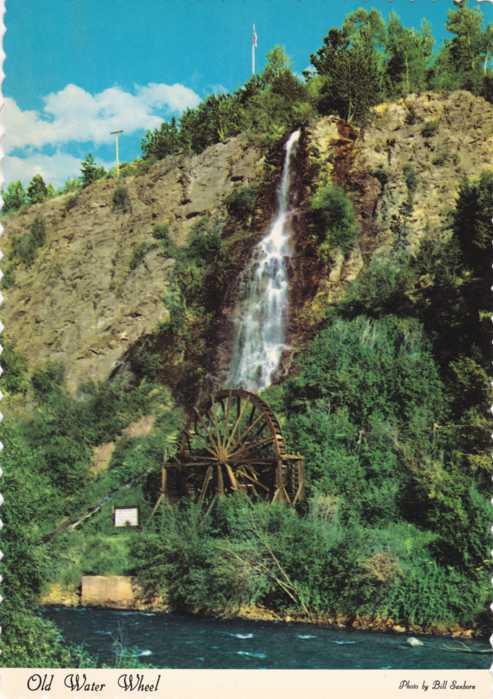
(161, 233)
(382, 175)
(121, 200)
(384, 286)
(90, 172)
(71, 202)
(14, 378)
(14, 197)
(48, 378)
(163, 141)
(429, 129)
(8, 278)
(410, 177)
(140, 252)
(25, 246)
(38, 231)
(241, 202)
(334, 219)
(361, 383)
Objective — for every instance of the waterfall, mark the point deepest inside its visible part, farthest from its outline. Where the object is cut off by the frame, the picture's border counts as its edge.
(260, 334)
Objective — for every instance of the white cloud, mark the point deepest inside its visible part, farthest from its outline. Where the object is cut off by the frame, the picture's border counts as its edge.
(175, 97)
(54, 168)
(73, 114)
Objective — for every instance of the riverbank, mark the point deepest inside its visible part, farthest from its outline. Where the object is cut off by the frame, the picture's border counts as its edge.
(58, 596)
(362, 623)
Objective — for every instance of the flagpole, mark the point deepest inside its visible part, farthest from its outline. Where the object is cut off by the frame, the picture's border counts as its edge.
(254, 46)
(116, 134)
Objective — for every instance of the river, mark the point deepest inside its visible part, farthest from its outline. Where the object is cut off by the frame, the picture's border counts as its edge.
(181, 641)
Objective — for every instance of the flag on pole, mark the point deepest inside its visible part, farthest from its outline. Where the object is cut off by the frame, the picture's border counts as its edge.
(254, 38)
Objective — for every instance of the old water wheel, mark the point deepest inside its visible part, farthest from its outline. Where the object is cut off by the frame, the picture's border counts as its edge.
(233, 443)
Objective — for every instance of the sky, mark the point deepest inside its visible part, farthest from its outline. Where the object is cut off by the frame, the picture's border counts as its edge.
(78, 69)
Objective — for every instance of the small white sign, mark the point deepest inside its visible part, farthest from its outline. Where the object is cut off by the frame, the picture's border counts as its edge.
(126, 516)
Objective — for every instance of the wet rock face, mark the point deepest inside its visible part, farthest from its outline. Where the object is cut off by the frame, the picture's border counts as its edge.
(89, 295)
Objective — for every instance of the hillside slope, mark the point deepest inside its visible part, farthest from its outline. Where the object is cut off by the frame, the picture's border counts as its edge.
(89, 294)
(96, 287)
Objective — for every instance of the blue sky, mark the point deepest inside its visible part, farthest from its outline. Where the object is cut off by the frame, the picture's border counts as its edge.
(77, 69)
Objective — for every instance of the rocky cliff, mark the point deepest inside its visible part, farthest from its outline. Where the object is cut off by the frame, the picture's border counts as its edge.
(89, 295)
(96, 286)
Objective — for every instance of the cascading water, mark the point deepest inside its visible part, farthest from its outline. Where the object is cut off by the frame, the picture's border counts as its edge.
(261, 323)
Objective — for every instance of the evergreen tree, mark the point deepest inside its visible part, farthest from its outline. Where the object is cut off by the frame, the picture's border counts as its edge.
(90, 171)
(215, 119)
(278, 63)
(407, 56)
(351, 64)
(37, 190)
(461, 62)
(14, 196)
(159, 143)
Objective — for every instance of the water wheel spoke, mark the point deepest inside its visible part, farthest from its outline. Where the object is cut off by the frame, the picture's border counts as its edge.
(250, 446)
(205, 462)
(213, 420)
(207, 437)
(240, 409)
(219, 480)
(210, 437)
(205, 484)
(252, 478)
(252, 413)
(228, 409)
(242, 437)
(232, 477)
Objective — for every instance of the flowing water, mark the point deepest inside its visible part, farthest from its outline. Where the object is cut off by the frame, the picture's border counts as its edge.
(260, 338)
(181, 641)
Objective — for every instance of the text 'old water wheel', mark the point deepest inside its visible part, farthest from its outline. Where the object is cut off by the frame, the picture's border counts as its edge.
(233, 443)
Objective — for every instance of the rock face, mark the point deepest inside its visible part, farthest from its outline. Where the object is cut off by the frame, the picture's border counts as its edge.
(96, 287)
(402, 172)
(87, 298)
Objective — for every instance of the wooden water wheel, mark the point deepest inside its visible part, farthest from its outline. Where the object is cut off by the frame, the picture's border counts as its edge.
(233, 443)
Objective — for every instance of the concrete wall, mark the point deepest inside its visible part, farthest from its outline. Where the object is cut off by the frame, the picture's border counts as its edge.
(108, 591)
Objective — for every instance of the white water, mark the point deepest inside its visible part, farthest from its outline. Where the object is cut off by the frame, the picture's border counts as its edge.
(263, 306)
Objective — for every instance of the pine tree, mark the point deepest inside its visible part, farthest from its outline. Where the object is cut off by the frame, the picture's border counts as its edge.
(460, 64)
(14, 196)
(351, 65)
(407, 57)
(163, 141)
(37, 190)
(90, 171)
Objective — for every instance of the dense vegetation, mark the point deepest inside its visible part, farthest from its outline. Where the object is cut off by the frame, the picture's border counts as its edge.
(389, 407)
(49, 479)
(388, 403)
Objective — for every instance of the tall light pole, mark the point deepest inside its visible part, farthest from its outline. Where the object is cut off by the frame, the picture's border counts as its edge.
(116, 134)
